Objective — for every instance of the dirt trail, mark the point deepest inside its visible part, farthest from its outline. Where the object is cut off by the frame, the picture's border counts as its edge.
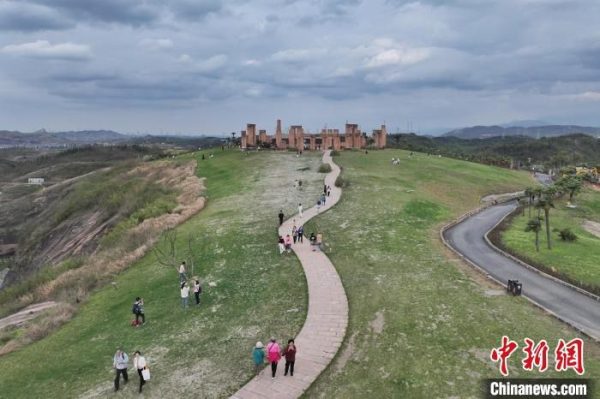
(26, 314)
(592, 227)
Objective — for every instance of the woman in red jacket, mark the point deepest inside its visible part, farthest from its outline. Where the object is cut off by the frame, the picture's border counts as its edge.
(273, 355)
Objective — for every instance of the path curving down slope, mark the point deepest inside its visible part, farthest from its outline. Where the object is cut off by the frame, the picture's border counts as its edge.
(468, 238)
(327, 317)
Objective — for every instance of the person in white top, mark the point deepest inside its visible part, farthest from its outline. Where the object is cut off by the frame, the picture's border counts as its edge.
(197, 291)
(300, 209)
(182, 276)
(139, 363)
(185, 293)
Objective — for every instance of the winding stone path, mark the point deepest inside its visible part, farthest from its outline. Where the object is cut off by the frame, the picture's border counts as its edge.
(468, 238)
(326, 320)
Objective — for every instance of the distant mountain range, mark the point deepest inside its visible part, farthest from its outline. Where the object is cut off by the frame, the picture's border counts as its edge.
(42, 138)
(482, 132)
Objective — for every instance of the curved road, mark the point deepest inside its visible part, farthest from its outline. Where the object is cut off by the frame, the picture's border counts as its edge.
(569, 305)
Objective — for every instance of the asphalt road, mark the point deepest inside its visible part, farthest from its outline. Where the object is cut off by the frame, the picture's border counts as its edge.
(567, 304)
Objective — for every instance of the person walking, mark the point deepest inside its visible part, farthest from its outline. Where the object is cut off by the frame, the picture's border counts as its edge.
(300, 210)
(319, 241)
(281, 244)
(318, 205)
(120, 361)
(197, 291)
(325, 189)
(258, 356)
(185, 294)
(323, 198)
(313, 241)
(328, 190)
(300, 233)
(182, 276)
(294, 234)
(290, 357)
(139, 363)
(288, 243)
(273, 355)
(281, 215)
(138, 311)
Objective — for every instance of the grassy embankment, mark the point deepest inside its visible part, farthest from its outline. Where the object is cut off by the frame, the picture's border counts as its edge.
(577, 261)
(421, 325)
(206, 350)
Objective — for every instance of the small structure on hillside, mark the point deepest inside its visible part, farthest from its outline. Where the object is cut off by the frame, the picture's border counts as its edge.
(35, 180)
(298, 139)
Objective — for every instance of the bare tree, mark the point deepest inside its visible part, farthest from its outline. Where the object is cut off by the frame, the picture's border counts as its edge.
(166, 250)
(192, 251)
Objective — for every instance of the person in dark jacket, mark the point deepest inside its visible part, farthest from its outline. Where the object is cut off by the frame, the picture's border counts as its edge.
(290, 357)
(281, 215)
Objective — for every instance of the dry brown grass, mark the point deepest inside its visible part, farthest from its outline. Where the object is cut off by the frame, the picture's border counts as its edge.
(74, 286)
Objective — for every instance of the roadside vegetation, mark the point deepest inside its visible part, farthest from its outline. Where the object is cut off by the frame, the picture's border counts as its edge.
(250, 292)
(573, 252)
(421, 325)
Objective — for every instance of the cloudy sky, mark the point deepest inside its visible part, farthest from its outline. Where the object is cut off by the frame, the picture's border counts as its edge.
(210, 66)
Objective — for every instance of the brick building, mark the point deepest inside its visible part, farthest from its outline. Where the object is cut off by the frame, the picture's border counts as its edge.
(301, 140)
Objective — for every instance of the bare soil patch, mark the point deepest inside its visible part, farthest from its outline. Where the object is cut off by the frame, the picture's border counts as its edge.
(592, 227)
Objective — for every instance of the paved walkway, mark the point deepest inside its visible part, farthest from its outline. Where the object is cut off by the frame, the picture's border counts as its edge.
(569, 305)
(326, 321)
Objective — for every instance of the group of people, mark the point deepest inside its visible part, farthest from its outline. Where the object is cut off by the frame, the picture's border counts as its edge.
(121, 364)
(185, 288)
(273, 354)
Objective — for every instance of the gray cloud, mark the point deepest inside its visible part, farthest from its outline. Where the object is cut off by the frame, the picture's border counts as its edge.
(26, 17)
(111, 11)
(488, 61)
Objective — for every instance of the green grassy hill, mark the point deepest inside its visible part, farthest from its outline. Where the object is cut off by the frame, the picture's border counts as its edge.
(421, 325)
(203, 351)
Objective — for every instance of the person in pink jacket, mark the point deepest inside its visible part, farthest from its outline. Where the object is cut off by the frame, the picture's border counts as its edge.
(273, 354)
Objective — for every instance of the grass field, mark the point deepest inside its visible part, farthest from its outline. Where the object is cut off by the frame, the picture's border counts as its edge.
(578, 261)
(205, 351)
(421, 325)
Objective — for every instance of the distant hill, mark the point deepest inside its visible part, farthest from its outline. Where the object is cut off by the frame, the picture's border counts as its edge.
(518, 151)
(43, 138)
(482, 132)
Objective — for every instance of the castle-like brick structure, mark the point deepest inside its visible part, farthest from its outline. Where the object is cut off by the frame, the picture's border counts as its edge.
(300, 140)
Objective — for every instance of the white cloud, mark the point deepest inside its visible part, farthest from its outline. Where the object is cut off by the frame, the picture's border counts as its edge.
(298, 55)
(185, 58)
(251, 62)
(211, 64)
(43, 49)
(587, 96)
(157, 44)
(397, 56)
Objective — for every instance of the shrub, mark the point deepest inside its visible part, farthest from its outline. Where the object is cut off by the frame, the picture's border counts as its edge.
(567, 235)
(324, 168)
(335, 153)
(340, 182)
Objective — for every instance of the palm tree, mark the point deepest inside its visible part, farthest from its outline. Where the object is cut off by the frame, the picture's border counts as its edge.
(536, 193)
(529, 194)
(545, 202)
(535, 225)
